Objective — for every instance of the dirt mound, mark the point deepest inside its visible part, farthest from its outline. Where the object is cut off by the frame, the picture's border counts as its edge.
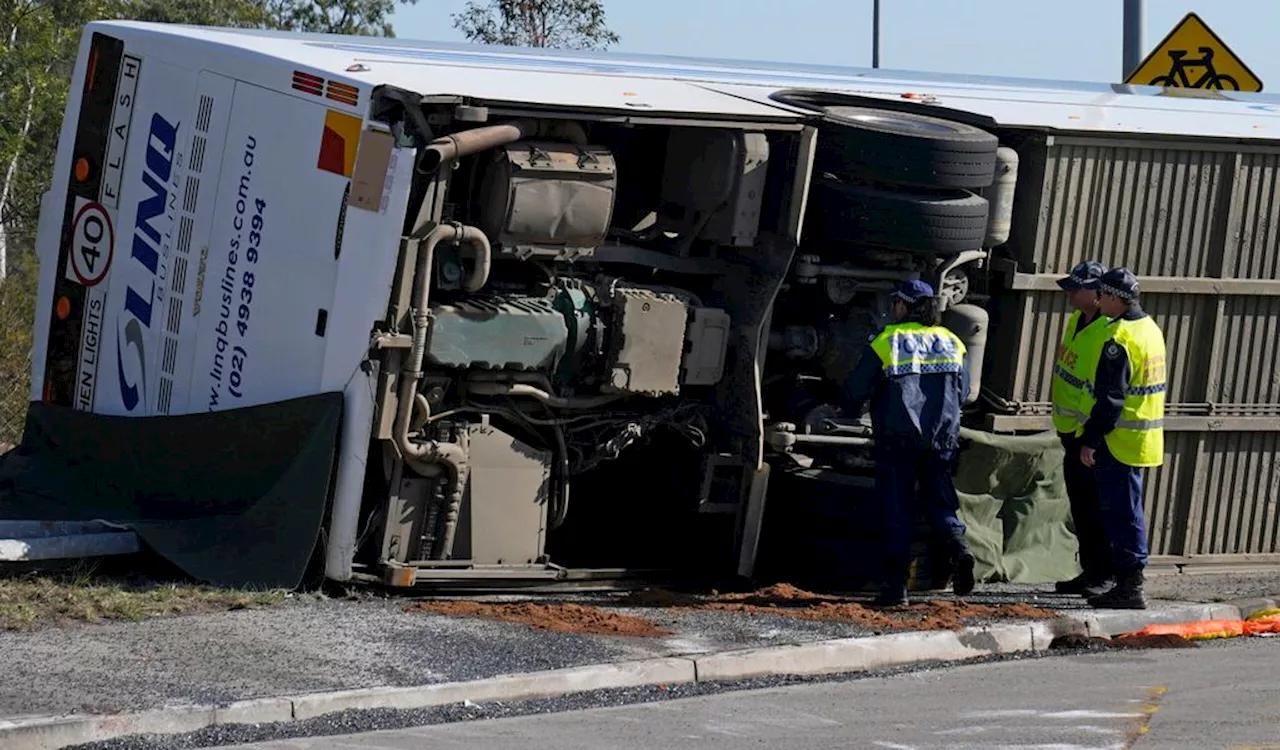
(780, 599)
(563, 618)
(929, 615)
(1076, 642)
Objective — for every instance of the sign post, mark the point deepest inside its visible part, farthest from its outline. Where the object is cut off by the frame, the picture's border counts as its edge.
(1193, 57)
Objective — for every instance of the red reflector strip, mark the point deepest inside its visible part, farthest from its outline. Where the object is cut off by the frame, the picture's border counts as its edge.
(91, 75)
(308, 83)
(341, 92)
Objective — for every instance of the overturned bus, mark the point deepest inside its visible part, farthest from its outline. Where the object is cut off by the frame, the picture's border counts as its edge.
(432, 314)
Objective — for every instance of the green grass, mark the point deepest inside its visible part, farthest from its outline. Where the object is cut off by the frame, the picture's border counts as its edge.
(81, 595)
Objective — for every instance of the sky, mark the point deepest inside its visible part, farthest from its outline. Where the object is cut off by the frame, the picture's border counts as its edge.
(1078, 40)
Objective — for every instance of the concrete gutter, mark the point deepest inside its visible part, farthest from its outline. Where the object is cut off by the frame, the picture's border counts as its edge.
(818, 658)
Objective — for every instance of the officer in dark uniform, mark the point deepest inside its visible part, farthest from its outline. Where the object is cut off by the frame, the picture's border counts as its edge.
(1082, 339)
(915, 374)
(1125, 431)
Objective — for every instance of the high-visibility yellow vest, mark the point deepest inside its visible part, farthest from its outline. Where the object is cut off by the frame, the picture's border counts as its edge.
(1072, 385)
(1138, 439)
(915, 349)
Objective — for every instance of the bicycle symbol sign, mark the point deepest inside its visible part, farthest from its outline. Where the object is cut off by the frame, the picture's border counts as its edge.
(1193, 57)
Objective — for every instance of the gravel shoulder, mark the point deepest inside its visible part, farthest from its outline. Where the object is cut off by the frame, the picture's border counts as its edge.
(310, 644)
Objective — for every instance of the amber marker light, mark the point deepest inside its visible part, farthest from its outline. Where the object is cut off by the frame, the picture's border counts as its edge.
(82, 169)
(64, 308)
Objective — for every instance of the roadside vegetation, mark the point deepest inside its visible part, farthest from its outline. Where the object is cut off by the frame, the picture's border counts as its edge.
(85, 594)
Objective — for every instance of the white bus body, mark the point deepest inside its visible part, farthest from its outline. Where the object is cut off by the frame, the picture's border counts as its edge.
(230, 225)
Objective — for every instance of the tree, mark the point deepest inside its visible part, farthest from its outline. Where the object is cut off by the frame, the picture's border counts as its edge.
(227, 13)
(566, 24)
(355, 17)
(39, 47)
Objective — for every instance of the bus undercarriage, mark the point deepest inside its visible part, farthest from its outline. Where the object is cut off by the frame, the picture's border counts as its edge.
(607, 333)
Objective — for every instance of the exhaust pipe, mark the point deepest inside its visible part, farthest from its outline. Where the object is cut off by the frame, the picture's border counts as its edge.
(467, 142)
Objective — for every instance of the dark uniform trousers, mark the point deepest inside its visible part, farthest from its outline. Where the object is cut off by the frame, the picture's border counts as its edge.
(1120, 499)
(898, 468)
(1086, 512)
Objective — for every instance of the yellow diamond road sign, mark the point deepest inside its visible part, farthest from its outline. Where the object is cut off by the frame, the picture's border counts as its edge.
(1193, 57)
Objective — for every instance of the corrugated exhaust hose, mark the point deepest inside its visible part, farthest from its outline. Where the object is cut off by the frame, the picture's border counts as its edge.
(450, 456)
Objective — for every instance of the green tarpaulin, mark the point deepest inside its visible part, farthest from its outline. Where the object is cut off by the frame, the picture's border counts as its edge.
(1015, 504)
(233, 498)
(822, 526)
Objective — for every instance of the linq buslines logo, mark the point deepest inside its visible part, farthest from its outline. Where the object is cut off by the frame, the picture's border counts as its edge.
(145, 251)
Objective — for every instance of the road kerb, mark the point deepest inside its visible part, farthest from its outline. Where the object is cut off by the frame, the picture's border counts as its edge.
(1249, 607)
(258, 711)
(1109, 623)
(809, 659)
(50, 733)
(861, 654)
(1043, 632)
(663, 671)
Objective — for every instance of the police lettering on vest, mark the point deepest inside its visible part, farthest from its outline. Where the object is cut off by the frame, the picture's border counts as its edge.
(914, 349)
(1072, 386)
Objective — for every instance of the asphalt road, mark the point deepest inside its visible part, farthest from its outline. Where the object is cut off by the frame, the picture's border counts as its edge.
(1220, 695)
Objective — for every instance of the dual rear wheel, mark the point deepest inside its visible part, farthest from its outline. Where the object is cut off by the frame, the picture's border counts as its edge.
(901, 180)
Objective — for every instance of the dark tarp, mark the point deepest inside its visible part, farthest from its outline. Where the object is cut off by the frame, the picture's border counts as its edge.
(1014, 502)
(232, 498)
(822, 527)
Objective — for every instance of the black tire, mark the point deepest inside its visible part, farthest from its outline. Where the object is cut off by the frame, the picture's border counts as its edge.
(905, 148)
(938, 222)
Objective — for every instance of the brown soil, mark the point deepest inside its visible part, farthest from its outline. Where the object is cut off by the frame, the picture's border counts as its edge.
(787, 600)
(1167, 640)
(781, 599)
(1075, 641)
(563, 618)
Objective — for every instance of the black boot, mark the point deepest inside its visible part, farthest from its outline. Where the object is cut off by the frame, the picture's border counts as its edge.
(962, 577)
(1074, 586)
(1127, 594)
(962, 563)
(1085, 585)
(891, 595)
(1097, 588)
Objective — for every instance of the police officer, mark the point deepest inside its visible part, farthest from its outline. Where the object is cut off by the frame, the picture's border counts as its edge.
(1125, 431)
(1077, 360)
(915, 375)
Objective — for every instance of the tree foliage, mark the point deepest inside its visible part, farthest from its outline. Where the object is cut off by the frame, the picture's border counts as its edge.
(355, 17)
(565, 24)
(227, 13)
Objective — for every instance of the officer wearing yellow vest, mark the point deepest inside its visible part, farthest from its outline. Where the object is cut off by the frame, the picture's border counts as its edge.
(1125, 431)
(915, 374)
(1077, 360)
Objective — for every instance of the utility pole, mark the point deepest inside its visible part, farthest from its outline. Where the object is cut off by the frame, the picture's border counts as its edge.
(875, 33)
(1133, 45)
